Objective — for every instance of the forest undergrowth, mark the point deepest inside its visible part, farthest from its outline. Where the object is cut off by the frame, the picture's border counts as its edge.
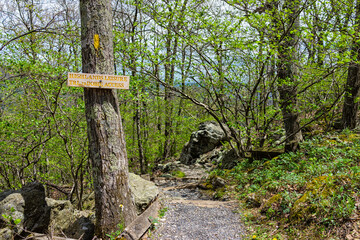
(310, 194)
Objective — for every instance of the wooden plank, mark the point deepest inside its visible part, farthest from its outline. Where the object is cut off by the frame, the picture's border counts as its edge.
(41, 236)
(142, 223)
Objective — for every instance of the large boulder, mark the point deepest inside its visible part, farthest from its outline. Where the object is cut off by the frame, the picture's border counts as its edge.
(26, 208)
(69, 222)
(144, 192)
(209, 136)
(229, 159)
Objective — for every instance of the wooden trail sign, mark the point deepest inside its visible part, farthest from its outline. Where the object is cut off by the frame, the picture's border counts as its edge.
(97, 81)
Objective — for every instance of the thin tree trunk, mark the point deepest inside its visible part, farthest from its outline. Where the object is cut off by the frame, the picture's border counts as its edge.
(138, 132)
(107, 151)
(168, 98)
(138, 102)
(352, 89)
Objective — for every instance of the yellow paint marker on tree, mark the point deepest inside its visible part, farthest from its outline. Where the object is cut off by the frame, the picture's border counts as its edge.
(96, 42)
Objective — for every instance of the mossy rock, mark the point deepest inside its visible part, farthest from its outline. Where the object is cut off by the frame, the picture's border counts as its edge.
(213, 182)
(253, 200)
(271, 207)
(319, 193)
(215, 187)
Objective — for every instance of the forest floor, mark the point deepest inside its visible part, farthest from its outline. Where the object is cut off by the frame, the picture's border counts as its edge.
(188, 214)
(310, 194)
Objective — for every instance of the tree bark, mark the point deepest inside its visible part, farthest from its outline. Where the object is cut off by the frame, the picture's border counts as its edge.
(288, 74)
(107, 151)
(352, 88)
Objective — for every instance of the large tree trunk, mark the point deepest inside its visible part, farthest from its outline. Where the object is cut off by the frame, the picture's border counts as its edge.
(352, 89)
(107, 151)
(288, 77)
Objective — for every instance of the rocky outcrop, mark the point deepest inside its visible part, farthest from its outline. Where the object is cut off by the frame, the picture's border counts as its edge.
(25, 209)
(209, 136)
(144, 192)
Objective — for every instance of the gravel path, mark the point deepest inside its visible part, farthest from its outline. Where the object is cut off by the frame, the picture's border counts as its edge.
(191, 215)
(199, 220)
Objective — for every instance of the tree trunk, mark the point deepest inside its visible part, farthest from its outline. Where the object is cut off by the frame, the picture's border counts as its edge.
(168, 98)
(113, 201)
(138, 133)
(352, 89)
(288, 77)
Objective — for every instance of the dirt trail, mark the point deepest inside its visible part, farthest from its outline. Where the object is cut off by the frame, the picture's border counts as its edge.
(194, 216)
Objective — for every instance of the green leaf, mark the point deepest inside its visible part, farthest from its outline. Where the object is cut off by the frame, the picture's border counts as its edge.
(17, 221)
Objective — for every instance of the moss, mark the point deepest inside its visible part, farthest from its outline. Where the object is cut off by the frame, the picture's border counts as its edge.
(349, 137)
(208, 185)
(220, 193)
(178, 174)
(318, 195)
(272, 206)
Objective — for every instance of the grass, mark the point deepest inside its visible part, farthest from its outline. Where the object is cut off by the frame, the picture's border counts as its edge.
(310, 194)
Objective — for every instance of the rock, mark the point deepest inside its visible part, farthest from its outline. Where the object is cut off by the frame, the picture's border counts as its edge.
(209, 136)
(12, 207)
(167, 175)
(144, 192)
(83, 227)
(58, 205)
(229, 159)
(69, 222)
(36, 211)
(208, 166)
(337, 124)
(89, 201)
(210, 157)
(28, 205)
(168, 167)
(217, 182)
(6, 234)
(212, 182)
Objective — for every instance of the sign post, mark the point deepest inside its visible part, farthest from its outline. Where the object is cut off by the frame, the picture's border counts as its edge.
(98, 81)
